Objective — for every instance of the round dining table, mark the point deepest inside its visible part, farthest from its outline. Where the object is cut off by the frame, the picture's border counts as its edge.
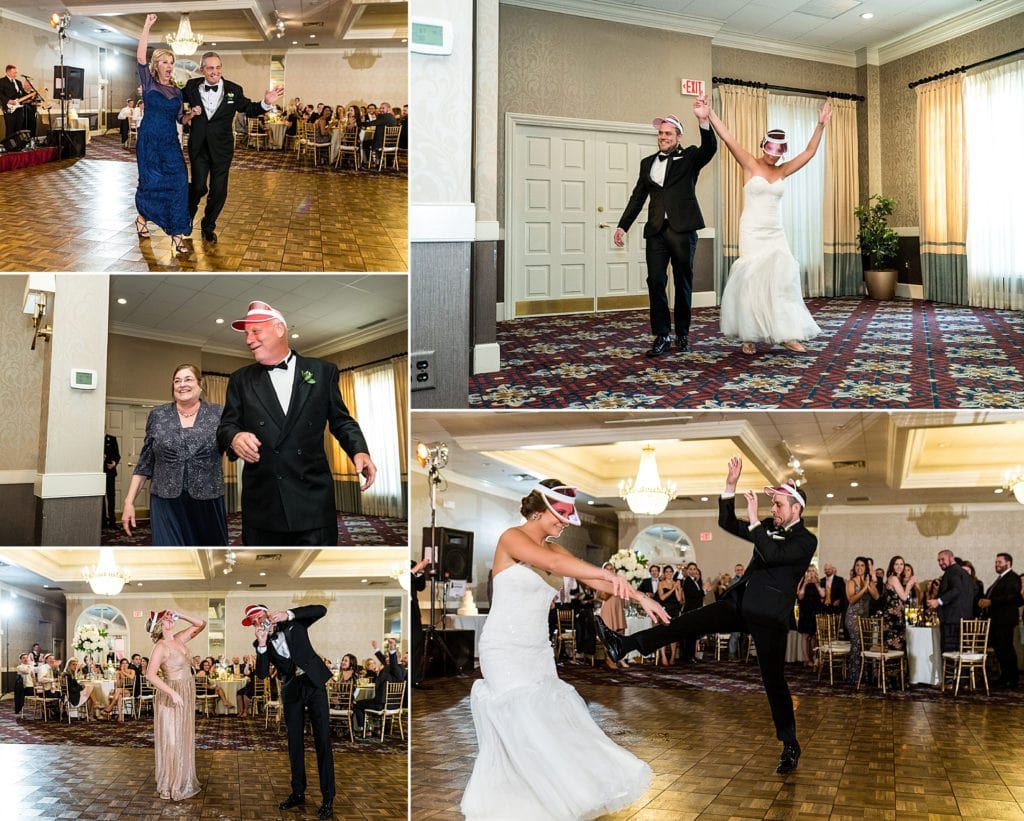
(276, 134)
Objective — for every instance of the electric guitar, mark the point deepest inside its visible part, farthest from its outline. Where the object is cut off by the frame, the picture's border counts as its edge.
(14, 105)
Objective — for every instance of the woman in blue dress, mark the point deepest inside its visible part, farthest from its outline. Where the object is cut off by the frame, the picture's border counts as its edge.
(162, 195)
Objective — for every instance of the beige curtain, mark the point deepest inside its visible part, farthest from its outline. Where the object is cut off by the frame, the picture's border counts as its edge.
(844, 271)
(217, 393)
(400, 368)
(347, 498)
(745, 112)
(942, 183)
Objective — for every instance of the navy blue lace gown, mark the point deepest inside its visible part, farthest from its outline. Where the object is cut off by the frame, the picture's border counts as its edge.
(162, 195)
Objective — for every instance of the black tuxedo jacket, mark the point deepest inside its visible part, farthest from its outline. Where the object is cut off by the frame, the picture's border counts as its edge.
(838, 596)
(693, 594)
(1006, 600)
(648, 586)
(767, 588)
(956, 589)
(419, 583)
(214, 134)
(302, 654)
(393, 671)
(290, 488)
(10, 91)
(677, 199)
(111, 453)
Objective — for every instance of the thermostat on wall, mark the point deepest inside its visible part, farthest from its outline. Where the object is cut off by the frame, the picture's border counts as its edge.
(430, 36)
(84, 380)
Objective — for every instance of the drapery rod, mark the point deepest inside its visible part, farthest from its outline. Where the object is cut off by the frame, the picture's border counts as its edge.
(964, 68)
(839, 95)
(340, 370)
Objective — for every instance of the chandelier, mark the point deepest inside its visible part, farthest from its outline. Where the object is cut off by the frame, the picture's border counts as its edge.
(646, 494)
(184, 43)
(105, 577)
(1015, 482)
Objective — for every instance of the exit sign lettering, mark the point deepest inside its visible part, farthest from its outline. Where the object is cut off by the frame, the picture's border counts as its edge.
(692, 88)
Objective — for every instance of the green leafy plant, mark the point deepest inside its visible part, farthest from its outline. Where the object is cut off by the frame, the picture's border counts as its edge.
(878, 242)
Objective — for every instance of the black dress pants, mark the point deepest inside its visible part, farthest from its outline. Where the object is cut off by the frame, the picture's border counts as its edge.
(678, 247)
(297, 697)
(318, 536)
(204, 168)
(723, 616)
(1002, 646)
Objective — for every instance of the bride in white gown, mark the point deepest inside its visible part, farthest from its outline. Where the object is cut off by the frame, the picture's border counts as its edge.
(762, 300)
(541, 756)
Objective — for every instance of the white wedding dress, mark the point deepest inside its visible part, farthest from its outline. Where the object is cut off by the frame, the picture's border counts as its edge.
(541, 756)
(762, 300)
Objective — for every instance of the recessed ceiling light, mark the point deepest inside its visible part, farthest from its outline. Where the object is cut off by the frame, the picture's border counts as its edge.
(312, 37)
(213, 44)
(867, 15)
(295, 42)
(263, 573)
(590, 501)
(830, 496)
(703, 498)
(854, 484)
(237, 582)
(122, 301)
(138, 584)
(998, 490)
(220, 320)
(46, 587)
(364, 581)
(405, 40)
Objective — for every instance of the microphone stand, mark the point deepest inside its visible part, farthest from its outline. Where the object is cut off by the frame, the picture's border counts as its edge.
(61, 136)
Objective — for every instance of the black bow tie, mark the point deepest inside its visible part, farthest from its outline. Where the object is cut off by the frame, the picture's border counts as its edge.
(212, 88)
(282, 365)
(663, 157)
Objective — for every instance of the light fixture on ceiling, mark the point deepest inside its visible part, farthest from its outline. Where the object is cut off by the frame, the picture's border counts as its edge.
(1015, 482)
(229, 562)
(937, 521)
(278, 23)
(185, 42)
(646, 494)
(794, 465)
(105, 577)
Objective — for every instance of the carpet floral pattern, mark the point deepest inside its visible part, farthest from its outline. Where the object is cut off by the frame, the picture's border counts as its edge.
(900, 354)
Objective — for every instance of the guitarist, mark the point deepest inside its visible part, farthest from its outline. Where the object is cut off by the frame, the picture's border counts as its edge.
(11, 92)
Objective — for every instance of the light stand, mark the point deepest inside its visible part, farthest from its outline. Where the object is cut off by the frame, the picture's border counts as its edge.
(60, 22)
(434, 458)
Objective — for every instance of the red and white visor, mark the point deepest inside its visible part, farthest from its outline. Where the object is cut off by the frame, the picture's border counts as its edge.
(258, 312)
(671, 119)
(787, 490)
(774, 142)
(564, 494)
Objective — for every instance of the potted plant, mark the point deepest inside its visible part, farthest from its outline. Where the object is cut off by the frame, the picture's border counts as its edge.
(880, 246)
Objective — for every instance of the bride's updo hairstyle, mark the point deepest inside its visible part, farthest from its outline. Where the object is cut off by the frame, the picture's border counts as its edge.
(534, 503)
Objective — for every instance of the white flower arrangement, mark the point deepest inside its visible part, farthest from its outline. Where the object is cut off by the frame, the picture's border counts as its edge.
(90, 638)
(630, 564)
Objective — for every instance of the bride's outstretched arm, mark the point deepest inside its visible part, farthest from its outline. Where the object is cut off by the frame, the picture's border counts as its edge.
(743, 157)
(804, 157)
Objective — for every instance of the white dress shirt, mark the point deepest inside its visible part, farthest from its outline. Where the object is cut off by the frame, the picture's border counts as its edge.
(282, 380)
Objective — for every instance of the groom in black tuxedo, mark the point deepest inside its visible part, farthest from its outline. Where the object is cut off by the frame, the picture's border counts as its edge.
(273, 420)
(214, 102)
(282, 638)
(759, 602)
(669, 178)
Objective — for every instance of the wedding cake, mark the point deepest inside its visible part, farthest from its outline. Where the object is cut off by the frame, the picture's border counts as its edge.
(468, 606)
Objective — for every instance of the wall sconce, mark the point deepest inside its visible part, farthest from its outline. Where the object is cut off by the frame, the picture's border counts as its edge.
(38, 290)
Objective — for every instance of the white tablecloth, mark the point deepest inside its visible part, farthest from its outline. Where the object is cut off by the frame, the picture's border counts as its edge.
(794, 647)
(924, 651)
(275, 132)
(230, 688)
(634, 624)
(474, 623)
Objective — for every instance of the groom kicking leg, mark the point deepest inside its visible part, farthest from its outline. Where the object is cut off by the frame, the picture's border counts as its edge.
(759, 602)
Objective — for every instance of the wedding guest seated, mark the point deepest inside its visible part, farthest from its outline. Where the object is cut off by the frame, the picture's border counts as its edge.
(26, 672)
(48, 674)
(124, 686)
(349, 668)
(323, 128)
(204, 672)
(384, 671)
(96, 670)
(247, 691)
(82, 695)
(196, 661)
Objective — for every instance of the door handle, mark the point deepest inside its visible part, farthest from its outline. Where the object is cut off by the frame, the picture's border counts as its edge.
(600, 209)
(602, 225)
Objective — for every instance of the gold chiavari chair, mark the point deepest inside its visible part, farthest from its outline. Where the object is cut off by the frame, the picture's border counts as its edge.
(271, 705)
(565, 638)
(389, 148)
(339, 700)
(258, 696)
(254, 135)
(873, 649)
(832, 652)
(970, 658)
(206, 694)
(348, 145)
(392, 710)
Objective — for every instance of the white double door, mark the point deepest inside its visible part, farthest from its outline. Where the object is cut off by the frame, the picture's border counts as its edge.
(127, 421)
(567, 183)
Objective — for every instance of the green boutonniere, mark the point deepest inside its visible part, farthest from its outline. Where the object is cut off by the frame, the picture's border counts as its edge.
(307, 377)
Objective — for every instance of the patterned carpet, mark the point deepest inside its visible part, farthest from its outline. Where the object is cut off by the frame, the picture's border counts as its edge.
(108, 147)
(380, 531)
(213, 733)
(900, 354)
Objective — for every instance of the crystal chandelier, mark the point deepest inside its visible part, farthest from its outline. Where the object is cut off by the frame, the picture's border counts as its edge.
(184, 43)
(1015, 482)
(105, 577)
(646, 494)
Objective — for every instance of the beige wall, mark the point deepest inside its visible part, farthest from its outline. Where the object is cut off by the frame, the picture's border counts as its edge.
(323, 78)
(21, 380)
(569, 66)
(371, 351)
(899, 103)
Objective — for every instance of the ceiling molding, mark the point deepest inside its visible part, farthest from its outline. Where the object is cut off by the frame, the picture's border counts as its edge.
(45, 26)
(469, 482)
(354, 339)
(619, 13)
(780, 48)
(870, 510)
(954, 26)
(141, 332)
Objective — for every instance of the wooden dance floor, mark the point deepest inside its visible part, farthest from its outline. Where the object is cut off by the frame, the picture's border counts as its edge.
(77, 215)
(111, 783)
(714, 754)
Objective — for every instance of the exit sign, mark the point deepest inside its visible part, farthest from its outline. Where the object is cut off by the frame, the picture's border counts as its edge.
(705, 536)
(691, 88)
(138, 614)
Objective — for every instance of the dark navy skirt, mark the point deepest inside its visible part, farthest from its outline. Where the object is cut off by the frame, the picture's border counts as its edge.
(188, 522)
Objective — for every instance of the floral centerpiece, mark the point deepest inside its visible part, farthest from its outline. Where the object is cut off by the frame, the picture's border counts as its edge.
(90, 638)
(630, 564)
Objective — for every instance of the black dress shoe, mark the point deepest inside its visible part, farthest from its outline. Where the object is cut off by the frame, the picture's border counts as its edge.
(292, 801)
(787, 761)
(682, 343)
(326, 811)
(209, 236)
(614, 644)
(660, 346)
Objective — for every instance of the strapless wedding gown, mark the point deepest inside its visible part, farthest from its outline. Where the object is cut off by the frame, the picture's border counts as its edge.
(541, 756)
(762, 300)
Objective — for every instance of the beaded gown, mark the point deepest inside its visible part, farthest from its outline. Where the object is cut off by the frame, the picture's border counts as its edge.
(541, 756)
(174, 730)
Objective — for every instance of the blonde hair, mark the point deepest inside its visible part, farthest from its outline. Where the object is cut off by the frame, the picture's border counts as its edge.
(157, 55)
(156, 630)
